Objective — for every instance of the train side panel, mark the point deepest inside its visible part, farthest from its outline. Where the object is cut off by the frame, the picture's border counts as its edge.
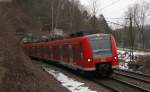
(75, 53)
(115, 61)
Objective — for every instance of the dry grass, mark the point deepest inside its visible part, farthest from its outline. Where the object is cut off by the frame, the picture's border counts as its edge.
(17, 72)
(143, 62)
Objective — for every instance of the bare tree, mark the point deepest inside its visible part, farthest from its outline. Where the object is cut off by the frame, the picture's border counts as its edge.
(138, 13)
(94, 7)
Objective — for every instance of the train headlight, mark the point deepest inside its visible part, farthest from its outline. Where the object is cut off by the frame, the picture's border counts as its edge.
(115, 58)
(89, 60)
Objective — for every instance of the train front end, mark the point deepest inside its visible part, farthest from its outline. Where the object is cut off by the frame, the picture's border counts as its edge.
(102, 53)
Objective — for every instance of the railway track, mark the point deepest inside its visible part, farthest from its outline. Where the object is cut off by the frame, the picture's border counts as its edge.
(139, 88)
(138, 76)
(105, 85)
(117, 85)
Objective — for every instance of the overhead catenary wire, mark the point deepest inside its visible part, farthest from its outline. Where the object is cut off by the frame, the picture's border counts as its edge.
(117, 18)
(116, 23)
(109, 5)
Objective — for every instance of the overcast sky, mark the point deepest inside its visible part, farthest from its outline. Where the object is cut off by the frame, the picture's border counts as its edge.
(111, 8)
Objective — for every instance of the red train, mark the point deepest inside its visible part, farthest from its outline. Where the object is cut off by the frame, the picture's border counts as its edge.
(91, 53)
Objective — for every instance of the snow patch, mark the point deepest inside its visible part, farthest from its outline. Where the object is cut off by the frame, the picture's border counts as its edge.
(124, 55)
(69, 83)
(123, 65)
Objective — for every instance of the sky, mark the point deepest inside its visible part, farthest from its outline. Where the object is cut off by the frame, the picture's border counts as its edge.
(111, 8)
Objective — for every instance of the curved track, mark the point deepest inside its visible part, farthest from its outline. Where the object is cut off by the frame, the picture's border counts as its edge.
(114, 84)
(138, 76)
(139, 88)
(117, 85)
(105, 85)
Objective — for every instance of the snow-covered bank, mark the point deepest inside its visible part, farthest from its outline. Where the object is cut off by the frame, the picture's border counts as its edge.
(124, 55)
(69, 83)
(123, 65)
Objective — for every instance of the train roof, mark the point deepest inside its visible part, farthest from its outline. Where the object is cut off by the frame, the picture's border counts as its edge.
(98, 34)
(70, 38)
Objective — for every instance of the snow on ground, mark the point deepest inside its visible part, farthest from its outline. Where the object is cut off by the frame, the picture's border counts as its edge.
(124, 55)
(123, 65)
(69, 83)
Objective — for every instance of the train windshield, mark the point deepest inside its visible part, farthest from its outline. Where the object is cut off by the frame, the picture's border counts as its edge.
(101, 46)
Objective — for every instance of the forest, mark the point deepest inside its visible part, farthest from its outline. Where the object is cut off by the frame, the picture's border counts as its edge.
(70, 16)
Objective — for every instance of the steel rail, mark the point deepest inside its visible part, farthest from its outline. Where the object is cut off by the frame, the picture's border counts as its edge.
(132, 85)
(134, 75)
(133, 72)
(105, 85)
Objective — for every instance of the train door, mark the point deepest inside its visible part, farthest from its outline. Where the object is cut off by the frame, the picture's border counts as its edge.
(41, 51)
(54, 52)
(61, 53)
(77, 53)
(31, 51)
(35, 51)
(65, 53)
(57, 52)
(45, 51)
(70, 53)
(50, 52)
(38, 52)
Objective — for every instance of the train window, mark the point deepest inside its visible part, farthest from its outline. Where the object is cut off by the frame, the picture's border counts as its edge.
(101, 46)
